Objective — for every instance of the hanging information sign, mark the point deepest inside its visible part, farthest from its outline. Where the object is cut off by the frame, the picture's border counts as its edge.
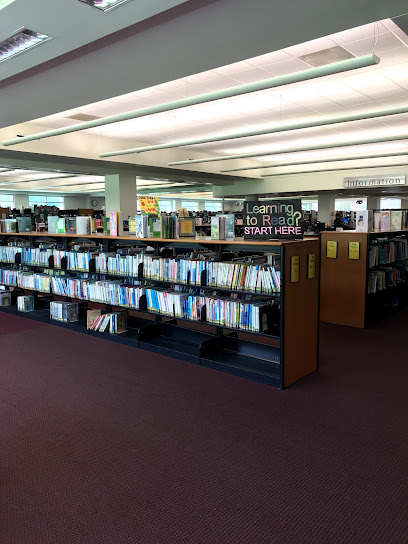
(273, 219)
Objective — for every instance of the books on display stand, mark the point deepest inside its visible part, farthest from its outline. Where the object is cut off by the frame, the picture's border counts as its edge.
(5, 298)
(114, 323)
(67, 312)
(25, 303)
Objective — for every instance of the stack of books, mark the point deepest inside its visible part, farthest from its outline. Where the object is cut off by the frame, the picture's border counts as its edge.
(25, 304)
(114, 323)
(67, 312)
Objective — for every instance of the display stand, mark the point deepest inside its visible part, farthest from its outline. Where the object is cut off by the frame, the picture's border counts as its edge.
(286, 352)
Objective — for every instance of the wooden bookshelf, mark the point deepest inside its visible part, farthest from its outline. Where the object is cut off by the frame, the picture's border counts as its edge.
(284, 354)
(344, 298)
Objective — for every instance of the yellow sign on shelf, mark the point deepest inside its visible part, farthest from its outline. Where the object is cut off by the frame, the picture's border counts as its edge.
(354, 250)
(311, 266)
(294, 268)
(331, 250)
(149, 205)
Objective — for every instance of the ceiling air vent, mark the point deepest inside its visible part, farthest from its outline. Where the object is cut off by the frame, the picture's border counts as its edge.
(104, 5)
(83, 117)
(20, 42)
(326, 56)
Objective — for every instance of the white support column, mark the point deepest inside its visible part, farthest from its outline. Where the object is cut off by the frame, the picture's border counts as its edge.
(326, 203)
(121, 194)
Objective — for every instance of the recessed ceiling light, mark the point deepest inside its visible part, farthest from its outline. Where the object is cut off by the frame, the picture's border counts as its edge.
(104, 5)
(20, 42)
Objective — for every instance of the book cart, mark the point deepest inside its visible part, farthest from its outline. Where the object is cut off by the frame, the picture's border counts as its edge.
(349, 259)
(285, 352)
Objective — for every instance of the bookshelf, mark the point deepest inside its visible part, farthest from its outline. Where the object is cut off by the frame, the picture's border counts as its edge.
(282, 351)
(347, 296)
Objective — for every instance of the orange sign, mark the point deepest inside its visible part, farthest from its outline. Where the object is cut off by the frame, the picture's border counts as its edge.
(149, 205)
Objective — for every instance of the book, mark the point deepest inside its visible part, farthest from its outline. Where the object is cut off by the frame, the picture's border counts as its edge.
(364, 221)
(132, 224)
(142, 226)
(91, 316)
(113, 223)
(215, 227)
(5, 298)
(155, 227)
(83, 225)
(186, 227)
(229, 226)
(60, 225)
(385, 224)
(396, 220)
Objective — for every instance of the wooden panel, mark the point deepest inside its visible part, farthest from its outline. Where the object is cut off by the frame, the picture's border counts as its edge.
(301, 311)
(343, 281)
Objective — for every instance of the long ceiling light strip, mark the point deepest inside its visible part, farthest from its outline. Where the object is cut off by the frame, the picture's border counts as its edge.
(317, 161)
(312, 73)
(38, 179)
(20, 42)
(269, 153)
(270, 130)
(337, 169)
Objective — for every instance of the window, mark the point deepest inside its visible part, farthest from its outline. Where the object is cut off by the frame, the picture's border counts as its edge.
(6, 201)
(42, 200)
(166, 205)
(212, 206)
(190, 205)
(350, 205)
(309, 205)
(390, 204)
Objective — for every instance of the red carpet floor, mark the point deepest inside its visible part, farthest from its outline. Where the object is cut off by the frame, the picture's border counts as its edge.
(106, 444)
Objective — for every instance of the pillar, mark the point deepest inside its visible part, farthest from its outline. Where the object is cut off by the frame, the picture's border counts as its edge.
(121, 194)
(326, 202)
(373, 202)
(21, 200)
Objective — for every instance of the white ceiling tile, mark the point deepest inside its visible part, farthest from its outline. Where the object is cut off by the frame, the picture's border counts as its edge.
(254, 74)
(233, 68)
(286, 67)
(358, 33)
(270, 58)
(386, 42)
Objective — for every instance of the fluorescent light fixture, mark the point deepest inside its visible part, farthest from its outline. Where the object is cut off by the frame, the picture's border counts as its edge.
(337, 169)
(304, 75)
(317, 161)
(20, 42)
(5, 3)
(105, 5)
(318, 122)
(381, 139)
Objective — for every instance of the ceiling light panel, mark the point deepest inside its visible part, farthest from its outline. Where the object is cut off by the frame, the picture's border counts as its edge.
(20, 42)
(105, 5)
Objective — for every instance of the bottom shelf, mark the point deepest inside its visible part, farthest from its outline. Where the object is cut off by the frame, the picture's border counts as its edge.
(225, 353)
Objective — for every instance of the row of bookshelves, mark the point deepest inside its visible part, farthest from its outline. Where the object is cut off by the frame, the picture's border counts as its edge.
(233, 306)
(239, 314)
(259, 278)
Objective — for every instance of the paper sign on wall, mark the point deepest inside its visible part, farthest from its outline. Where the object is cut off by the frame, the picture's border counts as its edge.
(331, 250)
(149, 205)
(354, 250)
(311, 266)
(294, 268)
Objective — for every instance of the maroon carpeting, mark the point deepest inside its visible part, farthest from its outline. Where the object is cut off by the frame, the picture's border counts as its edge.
(106, 444)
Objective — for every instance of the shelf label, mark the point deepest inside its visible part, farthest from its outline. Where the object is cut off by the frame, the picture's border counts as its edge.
(354, 250)
(294, 268)
(331, 250)
(311, 266)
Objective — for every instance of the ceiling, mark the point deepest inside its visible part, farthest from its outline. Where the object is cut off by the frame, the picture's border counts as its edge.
(70, 23)
(382, 86)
